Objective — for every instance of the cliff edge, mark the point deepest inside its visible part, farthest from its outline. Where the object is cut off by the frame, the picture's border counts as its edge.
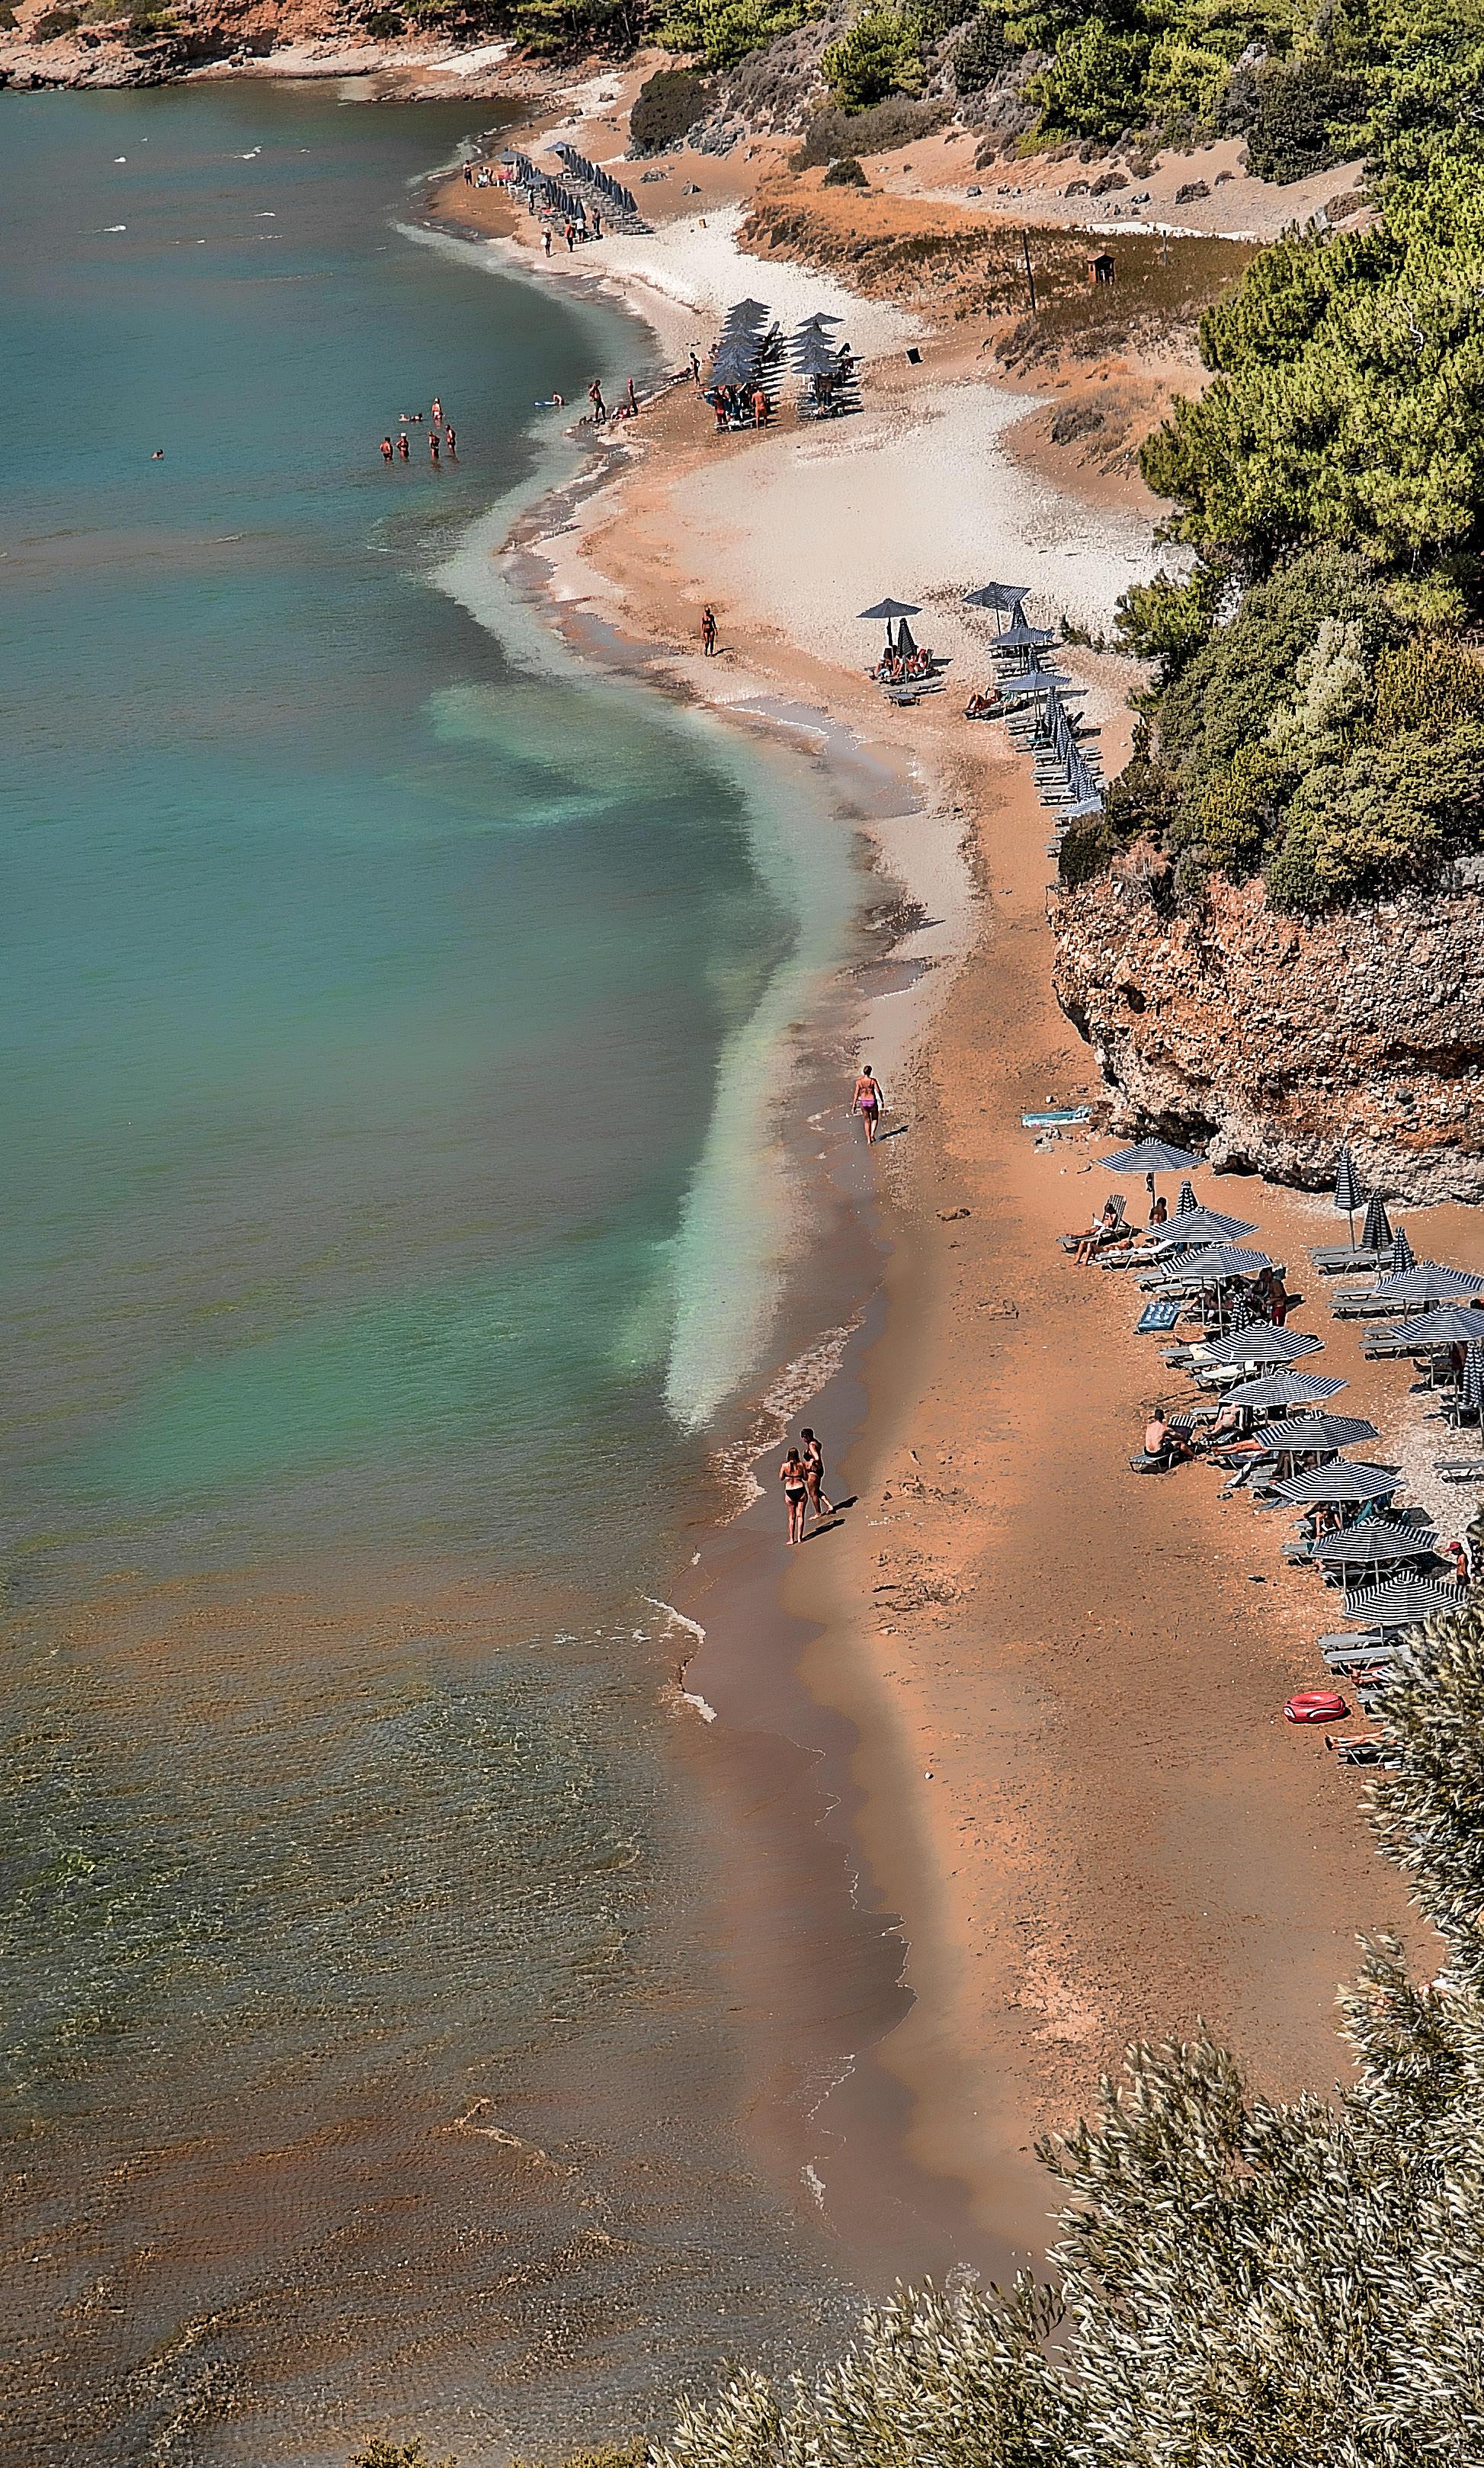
(1270, 1039)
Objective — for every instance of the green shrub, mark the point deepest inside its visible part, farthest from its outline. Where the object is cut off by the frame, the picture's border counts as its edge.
(666, 106)
(1086, 852)
(885, 131)
(984, 54)
(879, 55)
(725, 31)
(385, 23)
(1308, 117)
(845, 173)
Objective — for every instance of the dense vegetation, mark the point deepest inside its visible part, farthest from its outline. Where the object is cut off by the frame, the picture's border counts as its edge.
(1313, 713)
(1238, 2284)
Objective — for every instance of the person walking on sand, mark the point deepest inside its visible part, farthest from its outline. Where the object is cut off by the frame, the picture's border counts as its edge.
(694, 370)
(633, 402)
(867, 1102)
(546, 240)
(814, 1474)
(571, 237)
(386, 450)
(708, 632)
(595, 398)
(791, 1474)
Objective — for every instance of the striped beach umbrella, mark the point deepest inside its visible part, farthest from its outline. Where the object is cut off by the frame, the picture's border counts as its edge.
(1376, 1232)
(1401, 1258)
(1348, 1194)
(1187, 1201)
(1471, 1384)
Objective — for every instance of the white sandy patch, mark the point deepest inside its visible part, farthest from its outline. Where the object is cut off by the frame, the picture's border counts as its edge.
(684, 277)
(921, 506)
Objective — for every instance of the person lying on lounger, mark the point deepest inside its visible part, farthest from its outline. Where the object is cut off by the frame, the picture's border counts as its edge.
(979, 705)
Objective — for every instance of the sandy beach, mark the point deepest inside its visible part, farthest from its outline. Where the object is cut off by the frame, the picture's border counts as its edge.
(1062, 1687)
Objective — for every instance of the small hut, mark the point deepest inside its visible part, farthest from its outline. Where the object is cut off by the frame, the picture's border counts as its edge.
(1099, 268)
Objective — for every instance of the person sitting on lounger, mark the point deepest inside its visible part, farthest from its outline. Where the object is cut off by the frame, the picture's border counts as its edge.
(1101, 1231)
(978, 705)
(1232, 1424)
(1163, 1444)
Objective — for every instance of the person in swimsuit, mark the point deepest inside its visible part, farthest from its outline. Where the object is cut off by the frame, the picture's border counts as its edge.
(401, 446)
(814, 1475)
(432, 446)
(708, 632)
(448, 442)
(791, 1474)
(386, 450)
(867, 1103)
(438, 412)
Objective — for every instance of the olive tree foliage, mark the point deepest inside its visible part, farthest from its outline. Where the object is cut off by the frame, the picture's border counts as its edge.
(1237, 2282)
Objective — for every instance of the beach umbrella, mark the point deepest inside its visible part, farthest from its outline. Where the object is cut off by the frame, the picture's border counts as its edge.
(1004, 597)
(1429, 1281)
(1187, 1202)
(1284, 1388)
(1243, 1313)
(1261, 1345)
(1219, 1265)
(1453, 1325)
(1401, 1252)
(1376, 1232)
(1403, 1604)
(1152, 1157)
(1195, 1225)
(1471, 1384)
(1299, 1431)
(1020, 638)
(893, 608)
(1348, 1194)
(1036, 682)
(1375, 1545)
(1341, 1483)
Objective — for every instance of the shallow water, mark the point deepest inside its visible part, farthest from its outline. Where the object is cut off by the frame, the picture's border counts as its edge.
(381, 1253)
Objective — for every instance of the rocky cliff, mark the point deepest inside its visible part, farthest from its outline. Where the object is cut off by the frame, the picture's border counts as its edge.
(1271, 1039)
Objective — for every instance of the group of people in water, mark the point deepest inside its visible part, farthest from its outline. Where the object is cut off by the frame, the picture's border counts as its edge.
(401, 452)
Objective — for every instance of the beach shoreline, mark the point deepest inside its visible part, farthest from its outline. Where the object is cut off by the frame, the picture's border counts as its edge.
(1067, 1775)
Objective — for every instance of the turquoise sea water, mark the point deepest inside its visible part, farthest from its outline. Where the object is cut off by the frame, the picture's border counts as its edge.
(377, 1254)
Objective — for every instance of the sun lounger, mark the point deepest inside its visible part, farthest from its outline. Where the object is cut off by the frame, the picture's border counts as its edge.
(1144, 1463)
(1353, 1653)
(1357, 1305)
(1121, 1233)
(1338, 1260)
(1460, 1468)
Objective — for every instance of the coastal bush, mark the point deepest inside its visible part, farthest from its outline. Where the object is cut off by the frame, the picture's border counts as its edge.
(879, 55)
(845, 172)
(724, 32)
(1309, 115)
(983, 53)
(666, 106)
(1235, 2279)
(885, 131)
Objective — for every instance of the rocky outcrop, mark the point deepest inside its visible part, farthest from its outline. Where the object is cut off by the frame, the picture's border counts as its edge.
(1270, 1040)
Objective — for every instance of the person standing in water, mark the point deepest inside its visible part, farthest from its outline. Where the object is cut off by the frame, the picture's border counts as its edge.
(814, 1474)
(867, 1102)
(438, 412)
(791, 1474)
(448, 445)
(386, 450)
(432, 444)
(401, 446)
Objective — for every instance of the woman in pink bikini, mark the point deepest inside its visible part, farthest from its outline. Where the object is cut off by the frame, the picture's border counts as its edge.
(867, 1103)
(790, 1474)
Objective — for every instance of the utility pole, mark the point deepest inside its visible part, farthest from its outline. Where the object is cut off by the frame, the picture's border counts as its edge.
(1025, 246)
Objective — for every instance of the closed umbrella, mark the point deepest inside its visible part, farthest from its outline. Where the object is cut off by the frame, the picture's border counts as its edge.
(1401, 1252)
(1342, 1484)
(1284, 1388)
(1376, 1232)
(1243, 1313)
(1403, 1604)
(1471, 1386)
(1348, 1194)
(1261, 1345)
(1376, 1545)
(1317, 1432)
(1187, 1201)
